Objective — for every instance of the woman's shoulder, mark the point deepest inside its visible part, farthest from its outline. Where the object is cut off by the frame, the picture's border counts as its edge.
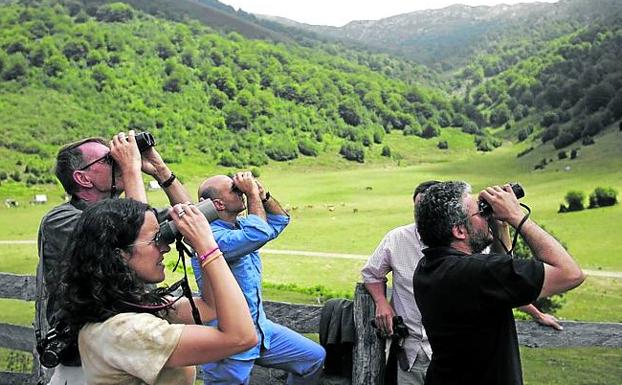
(125, 326)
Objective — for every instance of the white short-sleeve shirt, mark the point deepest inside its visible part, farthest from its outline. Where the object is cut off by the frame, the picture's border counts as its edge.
(132, 349)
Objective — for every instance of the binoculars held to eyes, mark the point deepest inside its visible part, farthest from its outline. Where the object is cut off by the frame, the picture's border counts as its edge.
(484, 207)
(168, 229)
(144, 141)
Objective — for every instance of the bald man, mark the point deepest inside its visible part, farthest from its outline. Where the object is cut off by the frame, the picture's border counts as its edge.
(240, 238)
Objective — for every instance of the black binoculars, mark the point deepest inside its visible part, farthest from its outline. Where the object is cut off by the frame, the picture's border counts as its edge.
(484, 207)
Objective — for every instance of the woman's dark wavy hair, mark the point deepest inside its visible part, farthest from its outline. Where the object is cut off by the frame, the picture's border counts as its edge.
(97, 283)
(441, 209)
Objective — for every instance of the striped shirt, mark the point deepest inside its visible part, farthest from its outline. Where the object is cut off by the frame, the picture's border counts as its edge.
(399, 252)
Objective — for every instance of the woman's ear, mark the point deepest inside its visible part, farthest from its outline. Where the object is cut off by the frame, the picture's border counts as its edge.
(122, 254)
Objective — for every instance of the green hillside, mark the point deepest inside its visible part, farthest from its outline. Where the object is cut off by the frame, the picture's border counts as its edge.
(68, 71)
(564, 90)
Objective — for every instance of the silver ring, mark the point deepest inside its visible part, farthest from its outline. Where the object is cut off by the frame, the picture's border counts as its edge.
(181, 213)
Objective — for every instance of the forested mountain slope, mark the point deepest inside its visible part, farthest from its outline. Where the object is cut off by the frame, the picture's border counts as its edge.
(449, 37)
(68, 71)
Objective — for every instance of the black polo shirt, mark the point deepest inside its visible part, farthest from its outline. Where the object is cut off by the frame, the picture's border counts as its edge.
(466, 305)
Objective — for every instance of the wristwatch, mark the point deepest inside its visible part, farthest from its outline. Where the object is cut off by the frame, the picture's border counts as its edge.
(267, 198)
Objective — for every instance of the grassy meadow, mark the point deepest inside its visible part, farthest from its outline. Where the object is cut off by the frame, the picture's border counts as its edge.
(342, 207)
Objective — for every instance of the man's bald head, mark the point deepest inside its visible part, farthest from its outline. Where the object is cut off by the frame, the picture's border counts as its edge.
(214, 186)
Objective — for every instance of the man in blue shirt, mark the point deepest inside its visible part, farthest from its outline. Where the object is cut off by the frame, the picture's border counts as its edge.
(240, 238)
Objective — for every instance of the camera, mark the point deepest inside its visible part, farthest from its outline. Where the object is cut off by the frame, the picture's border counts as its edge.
(484, 207)
(144, 141)
(60, 345)
(168, 229)
(400, 330)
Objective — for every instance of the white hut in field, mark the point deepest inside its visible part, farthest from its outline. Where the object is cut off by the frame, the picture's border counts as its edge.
(153, 185)
(40, 199)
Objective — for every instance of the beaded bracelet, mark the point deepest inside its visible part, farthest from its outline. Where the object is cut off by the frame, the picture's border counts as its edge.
(204, 256)
(211, 259)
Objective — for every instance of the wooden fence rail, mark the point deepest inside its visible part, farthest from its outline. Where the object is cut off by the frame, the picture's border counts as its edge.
(368, 354)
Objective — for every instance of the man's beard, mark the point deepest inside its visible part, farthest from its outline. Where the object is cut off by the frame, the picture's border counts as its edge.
(478, 240)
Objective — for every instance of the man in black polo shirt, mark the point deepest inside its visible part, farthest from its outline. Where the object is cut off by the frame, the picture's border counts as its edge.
(466, 298)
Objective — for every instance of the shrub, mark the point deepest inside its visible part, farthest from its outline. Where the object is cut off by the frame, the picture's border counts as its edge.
(15, 67)
(386, 151)
(603, 197)
(470, 127)
(227, 159)
(564, 139)
(550, 133)
(549, 118)
(415, 129)
(430, 131)
(593, 125)
(307, 147)
(524, 152)
(587, 141)
(16, 176)
(282, 150)
(443, 145)
(575, 200)
(353, 151)
(574, 153)
(115, 12)
(257, 158)
(562, 155)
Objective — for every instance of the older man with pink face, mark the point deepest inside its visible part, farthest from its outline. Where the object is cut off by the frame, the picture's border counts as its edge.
(90, 170)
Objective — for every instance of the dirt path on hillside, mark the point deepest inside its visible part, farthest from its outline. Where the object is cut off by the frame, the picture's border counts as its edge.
(360, 257)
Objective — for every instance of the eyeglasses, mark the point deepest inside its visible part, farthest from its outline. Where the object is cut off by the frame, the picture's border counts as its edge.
(106, 159)
(156, 241)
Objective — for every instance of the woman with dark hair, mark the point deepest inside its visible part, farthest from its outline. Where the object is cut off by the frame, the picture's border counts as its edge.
(128, 334)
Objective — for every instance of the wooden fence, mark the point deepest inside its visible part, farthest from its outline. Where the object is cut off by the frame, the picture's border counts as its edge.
(368, 352)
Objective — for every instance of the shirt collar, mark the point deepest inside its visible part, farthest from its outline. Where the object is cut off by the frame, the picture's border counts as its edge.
(443, 251)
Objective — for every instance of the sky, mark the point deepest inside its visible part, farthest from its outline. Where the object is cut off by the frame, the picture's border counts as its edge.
(340, 12)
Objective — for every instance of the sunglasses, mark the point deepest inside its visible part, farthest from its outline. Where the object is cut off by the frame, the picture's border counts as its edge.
(156, 241)
(106, 159)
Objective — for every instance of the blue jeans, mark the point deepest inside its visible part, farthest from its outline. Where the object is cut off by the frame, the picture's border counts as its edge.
(289, 351)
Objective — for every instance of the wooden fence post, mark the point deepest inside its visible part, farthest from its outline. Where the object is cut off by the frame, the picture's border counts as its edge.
(369, 350)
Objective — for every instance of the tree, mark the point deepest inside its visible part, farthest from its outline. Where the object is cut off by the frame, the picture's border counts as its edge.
(76, 49)
(349, 110)
(598, 96)
(471, 127)
(237, 117)
(353, 151)
(500, 115)
(386, 151)
(549, 118)
(575, 200)
(56, 65)
(115, 12)
(15, 67)
(550, 133)
(430, 131)
(593, 125)
(282, 149)
(602, 197)
(307, 147)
